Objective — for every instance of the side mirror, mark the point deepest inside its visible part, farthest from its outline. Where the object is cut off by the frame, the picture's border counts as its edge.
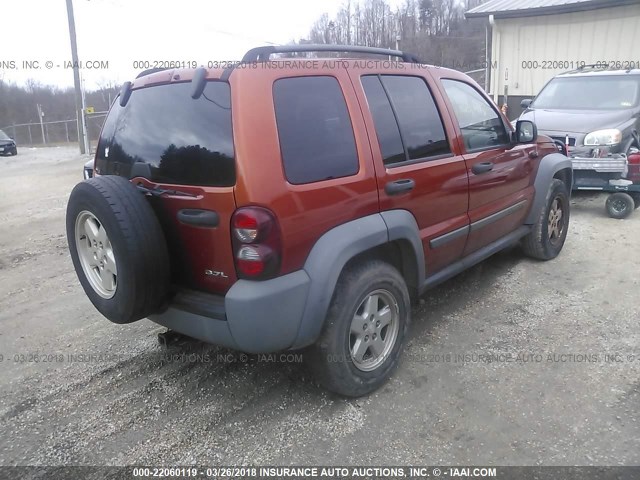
(526, 131)
(526, 102)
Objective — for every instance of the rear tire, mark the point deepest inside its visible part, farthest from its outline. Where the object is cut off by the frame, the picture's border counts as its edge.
(620, 205)
(366, 325)
(118, 248)
(547, 237)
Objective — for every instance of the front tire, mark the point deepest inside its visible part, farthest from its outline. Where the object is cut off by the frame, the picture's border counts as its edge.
(366, 325)
(547, 237)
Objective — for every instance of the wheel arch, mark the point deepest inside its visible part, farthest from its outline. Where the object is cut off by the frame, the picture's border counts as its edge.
(554, 165)
(566, 176)
(392, 236)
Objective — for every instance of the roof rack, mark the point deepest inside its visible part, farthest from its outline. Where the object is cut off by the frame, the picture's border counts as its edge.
(262, 54)
(589, 67)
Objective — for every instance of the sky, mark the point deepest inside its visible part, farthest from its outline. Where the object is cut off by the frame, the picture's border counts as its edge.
(117, 37)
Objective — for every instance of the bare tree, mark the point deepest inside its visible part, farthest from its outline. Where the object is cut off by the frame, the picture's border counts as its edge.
(435, 30)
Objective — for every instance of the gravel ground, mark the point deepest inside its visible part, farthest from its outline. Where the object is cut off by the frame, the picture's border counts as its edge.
(111, 395)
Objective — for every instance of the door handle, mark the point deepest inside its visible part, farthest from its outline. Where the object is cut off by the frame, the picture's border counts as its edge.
(399, 186)
(198, 218)
(482, 167)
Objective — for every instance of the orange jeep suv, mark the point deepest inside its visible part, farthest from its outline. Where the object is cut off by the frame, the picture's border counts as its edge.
(285, 204)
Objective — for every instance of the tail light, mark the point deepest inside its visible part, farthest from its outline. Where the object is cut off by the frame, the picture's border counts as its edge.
(634, 167)
(634, 158)
(256, 243)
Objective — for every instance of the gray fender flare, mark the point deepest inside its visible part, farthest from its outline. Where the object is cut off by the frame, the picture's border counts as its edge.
(549, 166)
(335, 248)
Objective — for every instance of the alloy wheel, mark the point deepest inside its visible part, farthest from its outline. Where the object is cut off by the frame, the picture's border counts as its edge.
(374, 330)
(96, 254)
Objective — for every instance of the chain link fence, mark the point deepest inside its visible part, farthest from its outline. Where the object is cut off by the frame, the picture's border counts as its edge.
(49, 133)
(58, 132)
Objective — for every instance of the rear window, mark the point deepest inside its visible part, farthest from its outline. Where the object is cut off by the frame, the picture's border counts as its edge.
(184, 141)
(315, 131)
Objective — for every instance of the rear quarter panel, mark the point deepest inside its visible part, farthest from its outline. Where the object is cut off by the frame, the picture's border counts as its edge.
(304, 212)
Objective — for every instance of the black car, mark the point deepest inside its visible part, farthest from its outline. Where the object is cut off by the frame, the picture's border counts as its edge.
(7, 145)
(594, 110)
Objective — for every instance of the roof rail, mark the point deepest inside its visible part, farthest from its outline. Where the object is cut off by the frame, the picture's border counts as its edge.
(262, 54)
(593, 66)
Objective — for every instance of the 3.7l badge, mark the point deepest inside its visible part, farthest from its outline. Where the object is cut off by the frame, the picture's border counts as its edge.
(213, 273)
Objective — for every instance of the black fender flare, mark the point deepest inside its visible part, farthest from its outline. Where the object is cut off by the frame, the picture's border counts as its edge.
(549, 166)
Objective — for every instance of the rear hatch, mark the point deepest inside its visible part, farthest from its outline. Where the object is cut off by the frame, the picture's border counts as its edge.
(181, 150)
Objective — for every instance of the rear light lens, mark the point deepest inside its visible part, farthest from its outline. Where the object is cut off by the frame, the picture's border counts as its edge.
(256, 243)
(250, 261)
(634, 168)
(245, 227)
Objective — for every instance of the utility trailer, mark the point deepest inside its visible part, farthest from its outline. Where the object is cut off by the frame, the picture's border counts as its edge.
(616, 174)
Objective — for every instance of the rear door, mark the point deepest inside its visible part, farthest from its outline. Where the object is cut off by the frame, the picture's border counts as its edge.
(165, 140)
(418, 166)
(500, 187)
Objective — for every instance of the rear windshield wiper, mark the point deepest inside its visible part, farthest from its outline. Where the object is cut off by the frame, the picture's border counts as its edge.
(157, 191)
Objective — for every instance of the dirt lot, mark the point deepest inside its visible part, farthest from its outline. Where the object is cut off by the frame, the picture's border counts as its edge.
(111, 395)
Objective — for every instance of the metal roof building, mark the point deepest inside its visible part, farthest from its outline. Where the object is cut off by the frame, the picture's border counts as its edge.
(530, 41)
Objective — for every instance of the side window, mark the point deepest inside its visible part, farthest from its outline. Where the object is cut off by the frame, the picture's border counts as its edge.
(480, 124)
(315, 131)
(407, 120)
(387, 129)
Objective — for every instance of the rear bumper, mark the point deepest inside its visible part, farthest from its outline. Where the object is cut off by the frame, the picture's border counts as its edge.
(254, 317)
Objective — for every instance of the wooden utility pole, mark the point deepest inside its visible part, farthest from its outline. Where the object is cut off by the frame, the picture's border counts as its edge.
(41, 117)
(76, 76)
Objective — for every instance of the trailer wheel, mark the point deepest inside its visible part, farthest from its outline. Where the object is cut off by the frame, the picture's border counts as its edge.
(620, 205)
(636, 199)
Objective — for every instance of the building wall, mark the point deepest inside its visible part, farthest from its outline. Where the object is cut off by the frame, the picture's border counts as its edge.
(531, 50)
